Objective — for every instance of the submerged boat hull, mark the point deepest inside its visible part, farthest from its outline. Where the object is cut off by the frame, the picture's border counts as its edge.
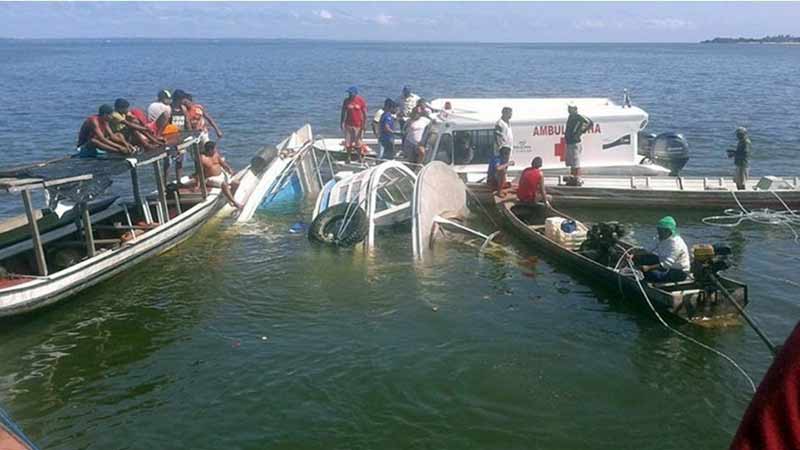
(685, 301)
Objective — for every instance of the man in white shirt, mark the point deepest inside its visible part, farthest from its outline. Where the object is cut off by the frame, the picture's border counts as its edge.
(160, 111)
(673, 255)
(407, 101)
(503, 136)
(414, 145)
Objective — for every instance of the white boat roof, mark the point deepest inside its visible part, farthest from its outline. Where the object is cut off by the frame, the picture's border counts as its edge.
(487, 110)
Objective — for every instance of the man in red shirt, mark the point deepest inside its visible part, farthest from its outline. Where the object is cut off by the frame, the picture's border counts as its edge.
(530, 182)
(353, 119)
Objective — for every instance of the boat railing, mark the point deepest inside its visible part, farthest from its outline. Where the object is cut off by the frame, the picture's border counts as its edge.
(660, 183)
(24, 186)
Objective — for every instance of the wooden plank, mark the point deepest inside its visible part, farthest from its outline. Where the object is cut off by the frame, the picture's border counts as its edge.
(20, 184)
(41, 263)
(87, 230)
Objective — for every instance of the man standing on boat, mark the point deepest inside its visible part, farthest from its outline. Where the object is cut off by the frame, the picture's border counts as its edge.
(407, 102)
(386, 130)
(574, 129)
(353, 119)
(503, 136)
(673, 255)
(741, 158)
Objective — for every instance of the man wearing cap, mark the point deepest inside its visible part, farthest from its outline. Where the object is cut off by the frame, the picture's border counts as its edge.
(160, 112)
(574, 129)
(741, 158)
(95, 136)
(353, 119)
(386, 130)
(673, 255)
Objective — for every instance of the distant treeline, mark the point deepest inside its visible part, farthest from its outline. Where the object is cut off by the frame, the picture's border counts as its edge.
(779, 39)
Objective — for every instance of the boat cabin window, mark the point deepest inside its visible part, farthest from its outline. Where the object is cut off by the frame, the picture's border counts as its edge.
(473, 146)
(444, 151)
(396, 188)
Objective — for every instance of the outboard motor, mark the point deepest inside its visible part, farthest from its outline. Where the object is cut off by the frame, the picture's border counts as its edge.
(669, 150)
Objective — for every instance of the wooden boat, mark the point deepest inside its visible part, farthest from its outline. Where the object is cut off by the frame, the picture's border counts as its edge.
(16, 229)
(689, 300)
(53, 265)
(715, 193)
(11, 436)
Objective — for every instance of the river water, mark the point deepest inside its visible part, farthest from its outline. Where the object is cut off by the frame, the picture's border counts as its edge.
(249, 337)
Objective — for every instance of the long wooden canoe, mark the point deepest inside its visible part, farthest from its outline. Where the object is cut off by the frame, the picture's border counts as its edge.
(687, 300)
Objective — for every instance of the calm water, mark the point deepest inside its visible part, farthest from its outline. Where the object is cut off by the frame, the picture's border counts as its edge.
(252, 338)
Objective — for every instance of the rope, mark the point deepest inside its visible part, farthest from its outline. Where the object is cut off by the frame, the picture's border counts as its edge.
(732, 218)
(684, 336)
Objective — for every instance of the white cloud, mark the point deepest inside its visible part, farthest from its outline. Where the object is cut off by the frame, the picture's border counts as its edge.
(383, 19)
(324, 14)
(669, 24)
(589, 24)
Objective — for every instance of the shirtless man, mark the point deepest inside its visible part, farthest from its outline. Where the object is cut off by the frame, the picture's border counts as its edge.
(95, 136)
(217, 171)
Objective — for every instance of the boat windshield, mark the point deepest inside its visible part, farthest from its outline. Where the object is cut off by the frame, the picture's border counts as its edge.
(430, 142)
(396, 188)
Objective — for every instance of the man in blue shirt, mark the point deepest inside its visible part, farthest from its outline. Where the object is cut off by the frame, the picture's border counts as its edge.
(386, 126)
(496, 176)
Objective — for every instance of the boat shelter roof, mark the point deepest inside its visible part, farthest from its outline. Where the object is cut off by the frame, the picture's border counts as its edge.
(487, 110)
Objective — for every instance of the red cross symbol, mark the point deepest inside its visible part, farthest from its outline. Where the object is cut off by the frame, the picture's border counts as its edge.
(561, 149)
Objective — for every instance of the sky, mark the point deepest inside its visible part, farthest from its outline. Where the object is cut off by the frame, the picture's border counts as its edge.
(403, 21)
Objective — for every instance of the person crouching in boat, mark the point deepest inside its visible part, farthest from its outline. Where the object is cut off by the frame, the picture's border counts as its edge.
(531, 184)
(353, 119)
(217, 171)
(130, 128)
(673, 255)
(95, 137)
(498, 169)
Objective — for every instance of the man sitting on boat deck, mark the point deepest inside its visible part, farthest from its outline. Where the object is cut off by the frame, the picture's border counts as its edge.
(160, 112)
(95, 137)
(741, 158)
(531, 182)
(217, 171)
(132, 127)
(672, 252)
(498, 168)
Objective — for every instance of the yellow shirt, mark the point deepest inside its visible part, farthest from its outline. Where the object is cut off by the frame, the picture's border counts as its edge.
(117, 122)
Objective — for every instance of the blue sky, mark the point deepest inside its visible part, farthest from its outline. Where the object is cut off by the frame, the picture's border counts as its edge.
(492, 22)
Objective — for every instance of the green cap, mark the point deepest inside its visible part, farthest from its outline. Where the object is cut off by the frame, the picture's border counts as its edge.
(668, 223)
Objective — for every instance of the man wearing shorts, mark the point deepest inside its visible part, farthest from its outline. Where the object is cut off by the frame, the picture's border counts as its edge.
(217, 171)
(353, 119)
(574, 129)
(741, 158)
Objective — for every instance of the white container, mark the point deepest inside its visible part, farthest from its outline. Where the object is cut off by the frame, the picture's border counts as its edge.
(552, 227)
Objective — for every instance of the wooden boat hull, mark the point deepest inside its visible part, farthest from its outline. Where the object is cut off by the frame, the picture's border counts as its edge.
(43, 291)
(692, 305)
(662, 192)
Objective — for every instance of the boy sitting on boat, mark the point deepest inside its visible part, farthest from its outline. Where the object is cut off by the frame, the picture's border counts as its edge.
(673, 255)
(217, 171)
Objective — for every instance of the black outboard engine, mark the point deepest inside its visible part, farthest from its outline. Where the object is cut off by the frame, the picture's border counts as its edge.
(669, 150)
(601, 240)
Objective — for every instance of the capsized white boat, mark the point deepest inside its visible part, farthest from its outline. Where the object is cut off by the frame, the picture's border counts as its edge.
(352, 205)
